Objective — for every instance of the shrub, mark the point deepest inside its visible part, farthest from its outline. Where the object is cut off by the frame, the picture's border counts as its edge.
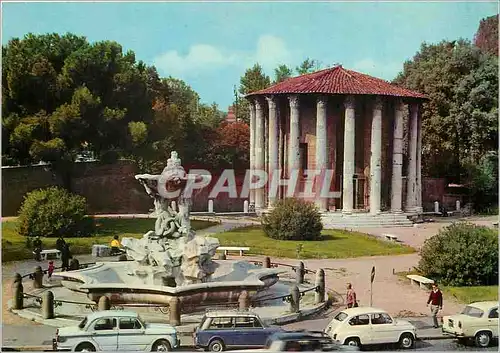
(53, 212)
(461, 254)
(293, 219)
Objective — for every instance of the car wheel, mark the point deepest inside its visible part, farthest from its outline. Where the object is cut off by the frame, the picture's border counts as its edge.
(216, 346)
(406, 341)
(354, 342)
(482, 339)
(161, 346)
(85, 347)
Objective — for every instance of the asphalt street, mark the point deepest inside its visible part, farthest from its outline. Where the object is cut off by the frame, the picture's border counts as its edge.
(17, 336)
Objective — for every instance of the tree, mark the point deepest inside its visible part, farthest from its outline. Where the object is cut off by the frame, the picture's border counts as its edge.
(308, 66)
(233, 145)
(456, 77)
(61, 92)
(486, 37)
(282, 73)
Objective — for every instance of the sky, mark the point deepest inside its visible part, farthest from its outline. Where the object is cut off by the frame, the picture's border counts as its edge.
(211, 44)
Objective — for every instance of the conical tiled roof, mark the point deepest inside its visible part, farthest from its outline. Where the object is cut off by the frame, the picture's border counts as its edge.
(337, 80)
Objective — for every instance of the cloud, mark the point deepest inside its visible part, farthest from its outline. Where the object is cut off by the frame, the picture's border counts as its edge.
(270, 52)
(386, 71)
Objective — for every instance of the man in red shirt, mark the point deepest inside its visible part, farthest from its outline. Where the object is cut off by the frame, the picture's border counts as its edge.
(436, 302)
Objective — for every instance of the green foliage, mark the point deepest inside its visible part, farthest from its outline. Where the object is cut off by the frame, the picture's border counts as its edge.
(253, 80)
(483, 182)
(282, 73)
(138, 132)
(460, 121)
(308, 66)
(293, 219)
(461, 254)
(53, 212)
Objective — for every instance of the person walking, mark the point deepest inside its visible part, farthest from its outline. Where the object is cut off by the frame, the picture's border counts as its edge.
(60, 243)
(436, 302)
(351, 297)
(50, 270)
(65, 256)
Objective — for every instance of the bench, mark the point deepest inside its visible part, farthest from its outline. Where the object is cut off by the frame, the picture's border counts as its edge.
(423, 282)
(391, 237)
(233, 248)
(45, 253)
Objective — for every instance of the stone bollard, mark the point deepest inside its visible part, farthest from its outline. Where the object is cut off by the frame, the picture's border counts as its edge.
(175, 311)
(210, 206)
(74, 264)
(122, 257)
(18, 295)
(457, 205)
(319, 296)
(244, 300)
(294, 299)
(48, 305)
(104, 303)
(267, 262)
(245, 206)
(436, 207)
(299, 273)
(38, 277)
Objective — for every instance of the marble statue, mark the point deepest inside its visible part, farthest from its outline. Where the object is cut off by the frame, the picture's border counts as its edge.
(172, 250)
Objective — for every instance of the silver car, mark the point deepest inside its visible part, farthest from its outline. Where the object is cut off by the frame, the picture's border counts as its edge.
(112, 330)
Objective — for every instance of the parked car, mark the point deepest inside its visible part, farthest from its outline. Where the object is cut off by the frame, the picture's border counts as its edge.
(116, 330)
(478, 321)
(367, 326)
(304, 341)
(219, 330)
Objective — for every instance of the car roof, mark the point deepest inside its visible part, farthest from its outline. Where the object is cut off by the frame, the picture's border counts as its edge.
(225, 313)
(363, 310)
(108, 313)
(486, 305)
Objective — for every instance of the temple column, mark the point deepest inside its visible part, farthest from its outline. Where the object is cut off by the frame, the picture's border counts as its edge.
(259, 151)
(294, 141)
(321, 150)
(411, 186)
(376, 157)
(273, 146)
(266, 157)
(281, 152)
(252, 148)
(419, 164)
(349, 146)
(397, 160)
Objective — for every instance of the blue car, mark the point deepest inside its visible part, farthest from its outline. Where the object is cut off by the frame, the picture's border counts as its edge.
(220, 330)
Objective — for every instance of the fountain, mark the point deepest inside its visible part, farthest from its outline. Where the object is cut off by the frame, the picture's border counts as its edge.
(171, 260)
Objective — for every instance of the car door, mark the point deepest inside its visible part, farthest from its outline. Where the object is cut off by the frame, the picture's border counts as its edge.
(259, 332)
(383, 329)
(131, 335)
(223, 328)
(104, 333)
(359, 326)
(243, 334)
(493, 321)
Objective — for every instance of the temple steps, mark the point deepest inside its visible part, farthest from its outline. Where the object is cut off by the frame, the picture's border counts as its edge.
(338, 220)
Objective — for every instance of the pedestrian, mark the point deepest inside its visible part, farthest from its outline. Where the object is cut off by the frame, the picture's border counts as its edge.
(436, 302)
(37, 248)
(351, 297)
(50, 270)
(65, 256)
(115, 246)
(60, 243)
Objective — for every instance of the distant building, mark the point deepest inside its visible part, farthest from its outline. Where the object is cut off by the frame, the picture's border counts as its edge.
(231, 117)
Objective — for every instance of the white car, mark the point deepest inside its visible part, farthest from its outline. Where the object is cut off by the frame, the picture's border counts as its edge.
(478, 321)
(116, 330)
(366, 326)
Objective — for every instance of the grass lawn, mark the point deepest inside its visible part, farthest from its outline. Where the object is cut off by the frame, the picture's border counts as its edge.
(464, 295)
(336, 244)
(14, 245)
(468, 295)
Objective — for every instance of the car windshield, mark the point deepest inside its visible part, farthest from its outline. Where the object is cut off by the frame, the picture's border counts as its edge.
(83, 323)
(472, 311)
(341, 316)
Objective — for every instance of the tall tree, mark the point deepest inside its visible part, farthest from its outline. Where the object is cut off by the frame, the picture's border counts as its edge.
(253, 80)
(486, 37)
(460, 119)
(282, 73)
(308, 66)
